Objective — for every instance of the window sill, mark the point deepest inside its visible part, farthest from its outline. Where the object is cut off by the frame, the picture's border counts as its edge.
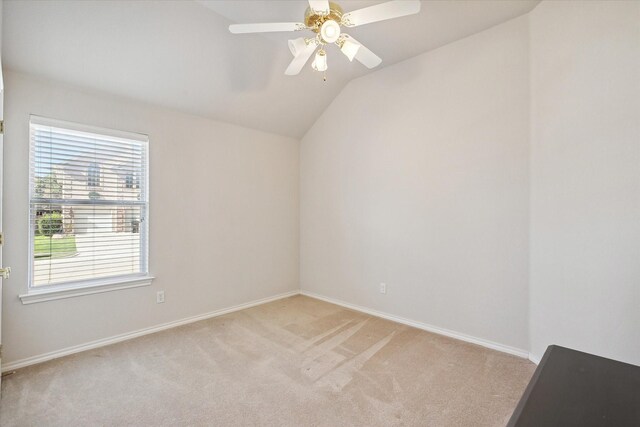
(43, 295)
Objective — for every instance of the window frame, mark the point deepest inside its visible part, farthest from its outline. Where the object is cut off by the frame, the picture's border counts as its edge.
(95, 285)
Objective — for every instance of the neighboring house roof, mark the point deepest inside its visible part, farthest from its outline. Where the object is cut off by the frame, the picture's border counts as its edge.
(77, 168)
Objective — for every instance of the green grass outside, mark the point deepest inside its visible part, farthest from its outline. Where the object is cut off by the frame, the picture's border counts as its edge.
(54, 247)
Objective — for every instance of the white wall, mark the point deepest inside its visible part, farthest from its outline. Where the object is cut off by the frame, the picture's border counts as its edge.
(585, 177)
(417, 176)
(224, 218)
(493, 184)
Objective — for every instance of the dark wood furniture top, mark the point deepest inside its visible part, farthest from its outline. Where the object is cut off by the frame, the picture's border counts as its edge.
(571, 388)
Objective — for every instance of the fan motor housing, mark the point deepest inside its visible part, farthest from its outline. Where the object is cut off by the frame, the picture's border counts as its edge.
(314, 20)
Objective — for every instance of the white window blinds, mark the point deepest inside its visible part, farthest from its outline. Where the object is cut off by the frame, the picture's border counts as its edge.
(88, 204)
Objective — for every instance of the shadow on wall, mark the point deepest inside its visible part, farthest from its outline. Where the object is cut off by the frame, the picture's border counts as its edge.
(251, 52)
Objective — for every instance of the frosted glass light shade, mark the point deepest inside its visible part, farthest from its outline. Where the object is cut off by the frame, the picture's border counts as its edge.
(297, 45)
(350, 49)
(320, 62)
(330, 31)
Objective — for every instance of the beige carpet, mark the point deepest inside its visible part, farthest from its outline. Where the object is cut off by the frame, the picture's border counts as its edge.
(293, 362)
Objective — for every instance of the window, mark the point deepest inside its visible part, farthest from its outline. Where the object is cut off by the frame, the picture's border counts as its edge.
(132, 181)
(93, 175)
(88, 221)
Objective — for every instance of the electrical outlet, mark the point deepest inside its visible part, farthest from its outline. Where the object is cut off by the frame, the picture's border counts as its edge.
(383, 288)
(160, 297)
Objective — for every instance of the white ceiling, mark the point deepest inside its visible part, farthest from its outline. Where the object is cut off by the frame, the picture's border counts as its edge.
(181, 55)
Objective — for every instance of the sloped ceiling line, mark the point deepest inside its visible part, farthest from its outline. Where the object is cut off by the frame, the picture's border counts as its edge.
(180, 55)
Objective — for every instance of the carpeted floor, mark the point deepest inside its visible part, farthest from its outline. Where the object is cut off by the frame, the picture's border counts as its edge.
(293, 362)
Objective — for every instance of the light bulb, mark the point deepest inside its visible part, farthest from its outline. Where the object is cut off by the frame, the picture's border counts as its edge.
(320, 62)
(350, 48)
(330, 31)
(296, 46)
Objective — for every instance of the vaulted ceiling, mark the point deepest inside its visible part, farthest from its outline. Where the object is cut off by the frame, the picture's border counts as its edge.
(180, 54)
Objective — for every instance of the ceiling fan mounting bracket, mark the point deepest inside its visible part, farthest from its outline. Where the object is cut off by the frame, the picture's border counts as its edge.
(314, 20)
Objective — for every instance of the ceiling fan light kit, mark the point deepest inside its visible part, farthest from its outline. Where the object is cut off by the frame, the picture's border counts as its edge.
(320, 63)
(330, 31)
(297, 46)
(326, 19)
(348, 46)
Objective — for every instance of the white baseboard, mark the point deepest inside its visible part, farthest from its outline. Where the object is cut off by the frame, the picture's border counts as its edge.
(534, 359)
(430, 328)
(21, 363)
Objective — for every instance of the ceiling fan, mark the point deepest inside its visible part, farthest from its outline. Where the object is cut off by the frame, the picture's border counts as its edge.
(326, 19)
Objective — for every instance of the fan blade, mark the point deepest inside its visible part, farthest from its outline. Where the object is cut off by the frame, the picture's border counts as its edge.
(299, 61)
(365, 56)
(321, 6)
(266, 27)
(380, 12)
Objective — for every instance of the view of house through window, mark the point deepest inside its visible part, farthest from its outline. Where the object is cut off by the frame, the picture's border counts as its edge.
(88, 204)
